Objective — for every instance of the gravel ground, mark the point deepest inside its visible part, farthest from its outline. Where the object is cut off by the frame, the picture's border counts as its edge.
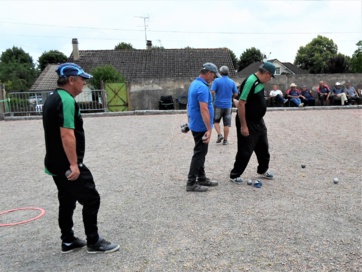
(300, 221)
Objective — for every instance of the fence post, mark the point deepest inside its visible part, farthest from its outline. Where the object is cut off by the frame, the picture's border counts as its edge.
(2, 102)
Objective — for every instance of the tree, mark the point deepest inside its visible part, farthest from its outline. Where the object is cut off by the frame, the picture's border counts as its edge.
(356, 60)
(233, 58)
(17, 70)
(107, 74)
(16, 54)
(51, 57)
(314, 57)
(338, 64)
(123, 46)
(248, 57)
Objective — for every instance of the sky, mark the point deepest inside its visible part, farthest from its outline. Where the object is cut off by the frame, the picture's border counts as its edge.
(277, 28)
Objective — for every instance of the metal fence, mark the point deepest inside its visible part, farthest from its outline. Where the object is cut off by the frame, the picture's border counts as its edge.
(31, 103)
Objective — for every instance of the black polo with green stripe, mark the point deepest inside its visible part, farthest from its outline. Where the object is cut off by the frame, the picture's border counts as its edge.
(252, 91)
(61, 110)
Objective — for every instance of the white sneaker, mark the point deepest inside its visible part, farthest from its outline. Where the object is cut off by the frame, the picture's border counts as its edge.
(237, 180)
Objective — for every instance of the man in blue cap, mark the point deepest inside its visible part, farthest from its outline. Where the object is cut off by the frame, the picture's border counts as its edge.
(65, 147)
(200, 113)
(250, 126)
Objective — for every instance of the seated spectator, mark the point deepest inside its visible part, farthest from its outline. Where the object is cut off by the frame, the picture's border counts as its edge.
(307, 96)
(337, 94)
(294, 96)
(323, 91)
(276, 97)
(352, 94)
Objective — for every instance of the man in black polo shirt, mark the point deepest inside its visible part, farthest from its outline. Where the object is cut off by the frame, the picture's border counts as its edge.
(65, 146)
(250, 126)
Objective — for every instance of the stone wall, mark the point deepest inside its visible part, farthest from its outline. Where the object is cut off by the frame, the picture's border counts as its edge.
(144, 95)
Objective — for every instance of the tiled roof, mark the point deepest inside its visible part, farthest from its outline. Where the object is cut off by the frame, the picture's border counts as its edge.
(47, 81)
(294, 69)
(137, 65)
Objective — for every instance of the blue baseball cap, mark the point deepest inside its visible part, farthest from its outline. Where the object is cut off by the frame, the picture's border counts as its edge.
(71, 69)
(209, 66)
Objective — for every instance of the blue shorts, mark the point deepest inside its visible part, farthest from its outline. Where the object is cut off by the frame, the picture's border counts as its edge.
(225, 114)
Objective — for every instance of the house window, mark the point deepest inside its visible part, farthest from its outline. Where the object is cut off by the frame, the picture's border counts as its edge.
(277, 70)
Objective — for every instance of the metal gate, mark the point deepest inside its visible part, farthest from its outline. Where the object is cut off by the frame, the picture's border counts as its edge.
(117, 97)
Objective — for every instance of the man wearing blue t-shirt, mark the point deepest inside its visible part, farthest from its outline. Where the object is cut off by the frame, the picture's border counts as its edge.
(224, 89)
(200, 114)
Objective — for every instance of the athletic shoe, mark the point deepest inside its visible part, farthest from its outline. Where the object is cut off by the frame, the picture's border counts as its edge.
(102, 246)
(268, 175)
(225, 142)
(219, 138)
(196, 188)
(70, 247)
(207, 182)
(237, 180)
(301, 105)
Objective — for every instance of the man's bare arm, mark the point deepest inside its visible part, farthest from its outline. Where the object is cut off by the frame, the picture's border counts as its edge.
(69, 145)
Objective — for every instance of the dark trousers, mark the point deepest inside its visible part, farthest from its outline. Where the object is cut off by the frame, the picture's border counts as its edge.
(257, 142)
(323, 100)
(354, 100)
(309, 101)
(197, 166)
(84, 191)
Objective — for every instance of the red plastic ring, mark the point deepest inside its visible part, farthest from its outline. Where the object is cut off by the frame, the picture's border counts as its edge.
(42, 212)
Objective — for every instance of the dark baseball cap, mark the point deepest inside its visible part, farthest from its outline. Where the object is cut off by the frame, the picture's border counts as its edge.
(270, 67)
(71, 69)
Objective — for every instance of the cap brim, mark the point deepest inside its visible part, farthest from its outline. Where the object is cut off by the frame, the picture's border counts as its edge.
(217, 75)
(85, 75)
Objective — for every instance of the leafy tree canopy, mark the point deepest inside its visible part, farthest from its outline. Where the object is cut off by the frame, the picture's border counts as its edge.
(123, 46)
(16, 54)
(356, 60)
(338, 64)
(107, 74)
(233, 58)
(17, 76)
(17, 70)
(315, 56)
(51, 57)
(248, 57)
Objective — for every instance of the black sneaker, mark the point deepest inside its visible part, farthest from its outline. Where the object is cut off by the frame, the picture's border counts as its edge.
(207, 182)
(70, 247)
(102, 246)
(196, 188)
(219, 138)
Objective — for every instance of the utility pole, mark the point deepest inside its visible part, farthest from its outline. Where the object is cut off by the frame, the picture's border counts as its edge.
(144, 24)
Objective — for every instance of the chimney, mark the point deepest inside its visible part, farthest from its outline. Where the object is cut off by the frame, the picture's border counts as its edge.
(75, 49)
(149, 44)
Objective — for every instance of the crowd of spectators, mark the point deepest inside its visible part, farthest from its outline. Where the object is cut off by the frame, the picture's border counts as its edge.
(340, 94)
